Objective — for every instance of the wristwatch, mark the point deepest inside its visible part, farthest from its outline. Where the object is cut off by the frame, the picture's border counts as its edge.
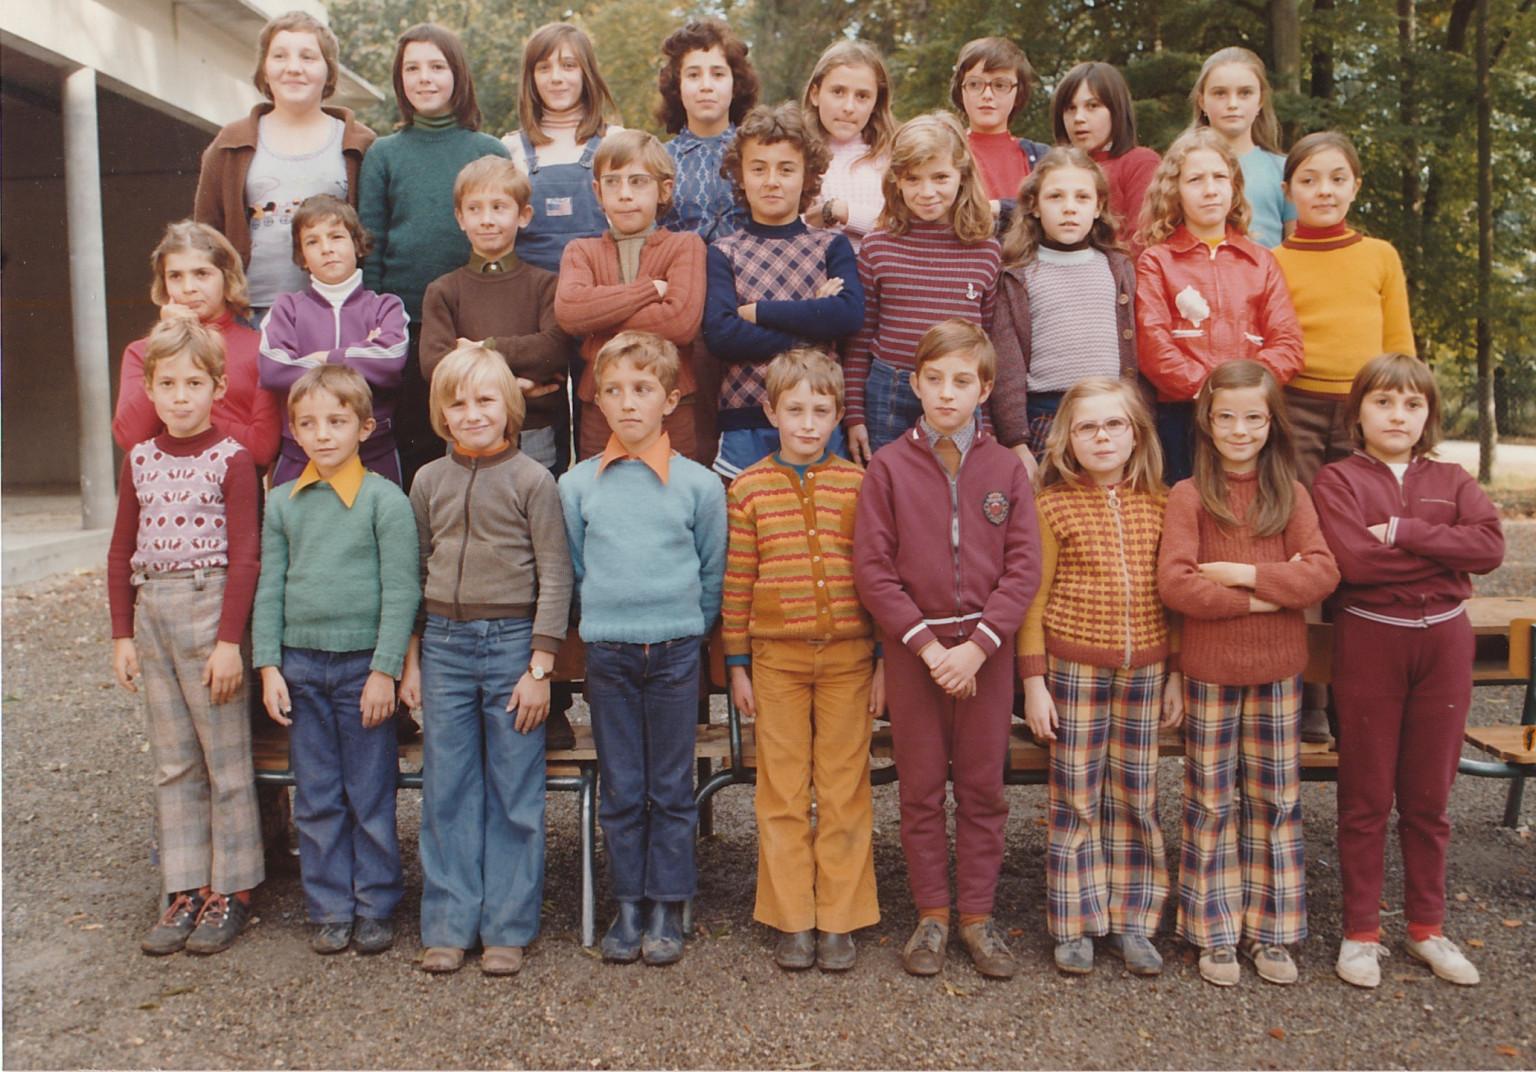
(538, 672)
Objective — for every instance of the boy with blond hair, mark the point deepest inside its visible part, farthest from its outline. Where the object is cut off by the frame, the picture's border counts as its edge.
(646, 529)
(802, 661)
(504, 303)
(332, 618)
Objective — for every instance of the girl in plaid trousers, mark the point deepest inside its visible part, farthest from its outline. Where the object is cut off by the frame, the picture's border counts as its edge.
(1241, 558)
(1095, 656)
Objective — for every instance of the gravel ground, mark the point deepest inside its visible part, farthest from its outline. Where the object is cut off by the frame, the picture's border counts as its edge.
(79, 890)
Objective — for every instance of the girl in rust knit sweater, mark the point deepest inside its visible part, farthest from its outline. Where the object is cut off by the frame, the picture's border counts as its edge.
(1241, 558)
(1095, 656)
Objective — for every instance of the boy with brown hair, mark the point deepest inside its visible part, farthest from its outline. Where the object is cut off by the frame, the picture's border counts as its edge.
(637, 277)
(776, 284)
(947, 494)
(803, 662)
(503, 303)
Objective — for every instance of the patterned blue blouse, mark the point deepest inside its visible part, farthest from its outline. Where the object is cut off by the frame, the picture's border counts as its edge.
(702, 201)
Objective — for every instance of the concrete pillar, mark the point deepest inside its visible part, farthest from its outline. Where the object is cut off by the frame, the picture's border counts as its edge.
(88, 297)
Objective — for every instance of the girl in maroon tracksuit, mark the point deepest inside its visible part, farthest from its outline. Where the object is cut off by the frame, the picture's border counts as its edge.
(947, 558)
(1406, 532)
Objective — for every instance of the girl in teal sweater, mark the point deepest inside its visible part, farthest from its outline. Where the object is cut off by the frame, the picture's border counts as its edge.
(405, 199)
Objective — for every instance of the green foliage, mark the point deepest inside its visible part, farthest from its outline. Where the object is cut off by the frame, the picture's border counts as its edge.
(1417, 132)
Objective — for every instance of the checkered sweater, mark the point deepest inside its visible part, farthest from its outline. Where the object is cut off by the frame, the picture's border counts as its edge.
(778, 268)
(1098, 601)
(911, 282)
(789, 563)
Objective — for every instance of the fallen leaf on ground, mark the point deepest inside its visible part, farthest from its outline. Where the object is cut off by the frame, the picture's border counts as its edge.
(1474, 943)
(1514, 923)
(1507, 1051)
(1277, 1033)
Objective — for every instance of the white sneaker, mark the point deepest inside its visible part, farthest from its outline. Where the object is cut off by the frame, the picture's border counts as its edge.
(1445, 959)
(1360, 962)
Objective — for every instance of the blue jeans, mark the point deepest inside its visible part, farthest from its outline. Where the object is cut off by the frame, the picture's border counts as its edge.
(644, 700)
(741, 447)
(1176, 431)
(344, 788)
(482, 788)
(890, 406)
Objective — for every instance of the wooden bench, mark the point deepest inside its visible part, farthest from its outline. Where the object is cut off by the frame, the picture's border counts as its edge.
(1501, 626)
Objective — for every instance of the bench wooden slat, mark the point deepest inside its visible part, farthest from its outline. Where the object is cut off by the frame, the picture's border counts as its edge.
(1512, 744)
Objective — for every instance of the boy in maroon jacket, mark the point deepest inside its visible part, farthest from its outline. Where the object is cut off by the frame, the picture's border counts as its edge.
(964, 502)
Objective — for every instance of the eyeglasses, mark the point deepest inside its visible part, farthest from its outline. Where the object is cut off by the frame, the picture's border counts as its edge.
(1115, 427)
(614, 183)
(1226, 420)
(999, 86)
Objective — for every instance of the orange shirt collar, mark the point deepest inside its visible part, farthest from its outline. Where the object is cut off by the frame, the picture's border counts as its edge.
(658, 455)
(346, 483)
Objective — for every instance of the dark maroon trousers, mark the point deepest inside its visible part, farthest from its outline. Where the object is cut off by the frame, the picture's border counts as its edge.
(931, 732)
(1402, 696)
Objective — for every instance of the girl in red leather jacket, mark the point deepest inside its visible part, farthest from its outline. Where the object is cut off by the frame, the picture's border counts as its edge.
(1205, 292)
(1407, 533)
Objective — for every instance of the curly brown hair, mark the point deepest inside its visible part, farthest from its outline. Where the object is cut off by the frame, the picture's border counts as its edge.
(700, 35)
(1162, 213)
(770, 126)
(1022, 240)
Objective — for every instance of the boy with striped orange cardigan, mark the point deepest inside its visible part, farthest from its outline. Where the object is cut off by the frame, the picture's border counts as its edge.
(803, 662)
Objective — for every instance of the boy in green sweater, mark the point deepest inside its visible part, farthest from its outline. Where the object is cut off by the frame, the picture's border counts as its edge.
(333, 614)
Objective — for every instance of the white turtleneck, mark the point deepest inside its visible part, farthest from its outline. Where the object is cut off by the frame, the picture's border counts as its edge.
(336, 293)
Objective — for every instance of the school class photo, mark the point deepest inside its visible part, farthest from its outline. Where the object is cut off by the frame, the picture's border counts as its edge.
(1008, 535)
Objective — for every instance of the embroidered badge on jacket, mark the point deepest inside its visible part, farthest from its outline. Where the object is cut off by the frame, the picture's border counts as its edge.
(995, 507)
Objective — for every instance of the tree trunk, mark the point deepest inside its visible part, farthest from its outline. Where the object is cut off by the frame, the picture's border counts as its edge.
(1322, 52)
(1407, 113)
(1487, 423)
(1285, 44)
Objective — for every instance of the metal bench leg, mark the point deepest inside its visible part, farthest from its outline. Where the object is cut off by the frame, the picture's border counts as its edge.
(588, 856)
(707, 807)
(1513, 800)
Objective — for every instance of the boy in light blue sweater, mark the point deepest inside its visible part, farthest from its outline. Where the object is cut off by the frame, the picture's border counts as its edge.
(334, 609)
(647, 533)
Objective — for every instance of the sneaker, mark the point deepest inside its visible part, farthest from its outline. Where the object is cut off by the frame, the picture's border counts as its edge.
(1140, 955)
(218, 924)
(1075, 955)
(373, 935)
(1272, 962)
(989, 953)
(175, 926)
(331, 938)
(1219, 966)
(1359, 963)
(924, 952)
(442, 960)
(501, 960)
(1314, 726)
(1445, 959)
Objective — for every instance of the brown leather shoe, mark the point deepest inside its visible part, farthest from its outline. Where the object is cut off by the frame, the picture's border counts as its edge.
(924, 954)
(988, 951)
(442, 959)
(835, 952)
(795, 950)
(501, 960)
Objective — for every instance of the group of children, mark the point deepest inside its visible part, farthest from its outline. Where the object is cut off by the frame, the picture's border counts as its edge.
(942, 461)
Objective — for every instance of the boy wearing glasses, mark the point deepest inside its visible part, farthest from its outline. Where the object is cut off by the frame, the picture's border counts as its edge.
(502, 303)
(990, 86)
(637, 277)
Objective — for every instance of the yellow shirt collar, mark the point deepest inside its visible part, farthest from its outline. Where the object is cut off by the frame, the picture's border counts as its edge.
(346, 483)
(658, 455)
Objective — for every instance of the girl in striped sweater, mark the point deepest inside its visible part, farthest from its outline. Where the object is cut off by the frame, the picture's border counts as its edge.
(932, 258)
(1241, 558)
(1096, 662)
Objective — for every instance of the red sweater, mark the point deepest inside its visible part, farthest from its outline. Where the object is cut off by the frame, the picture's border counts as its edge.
(1129, 175)
(246, 411)
(1223, 642)
(593, 301)
(233, 501)
(935, 559)
(1440, 529)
